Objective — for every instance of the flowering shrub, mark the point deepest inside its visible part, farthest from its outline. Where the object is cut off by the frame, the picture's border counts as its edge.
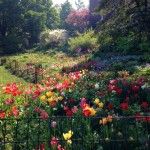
(53, 37)
(85, 42)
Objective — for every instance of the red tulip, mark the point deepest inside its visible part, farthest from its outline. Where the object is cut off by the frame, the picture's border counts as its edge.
(43, 115)
(2, 114)
(69, 113)
(118, 91)
(54, 142)
(146, 119)
(9, 101)
(144, 105)
(12, 89)
(110, 106)
(135, 88)
(15, 111)
(86, 112)
(124, 106)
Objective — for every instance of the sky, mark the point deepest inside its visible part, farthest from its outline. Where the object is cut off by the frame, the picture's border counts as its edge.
(59, 2)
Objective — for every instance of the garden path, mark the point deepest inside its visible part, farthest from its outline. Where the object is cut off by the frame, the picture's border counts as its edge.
(105, 61)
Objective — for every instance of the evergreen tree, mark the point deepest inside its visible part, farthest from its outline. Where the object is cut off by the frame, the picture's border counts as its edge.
(25, 19)
(11, 21)
(66, 8)
(39, 15)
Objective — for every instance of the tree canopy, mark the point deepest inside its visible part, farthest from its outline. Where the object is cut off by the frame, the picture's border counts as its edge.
(125, 20)
(25, 19)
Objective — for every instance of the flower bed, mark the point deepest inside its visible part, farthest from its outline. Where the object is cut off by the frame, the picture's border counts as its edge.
(79, 110)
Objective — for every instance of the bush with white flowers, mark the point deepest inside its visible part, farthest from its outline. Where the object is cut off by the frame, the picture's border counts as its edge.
(53, 37)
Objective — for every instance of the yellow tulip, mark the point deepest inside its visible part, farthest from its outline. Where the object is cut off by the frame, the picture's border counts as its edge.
(50, 99)
(67, 136)
(70, 132)
(49, 94)
(101, 105)
(60, 98)
(69, 141)
(43, 98)
(96, 101)
(93, 111)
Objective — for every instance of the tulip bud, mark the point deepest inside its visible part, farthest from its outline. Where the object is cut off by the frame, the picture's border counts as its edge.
(96, 86)
(107, 139)
(53, 124)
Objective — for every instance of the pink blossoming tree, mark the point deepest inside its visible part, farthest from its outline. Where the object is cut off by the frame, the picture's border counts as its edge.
(79, 19)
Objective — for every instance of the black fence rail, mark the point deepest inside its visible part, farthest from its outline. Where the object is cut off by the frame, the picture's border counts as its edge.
(123, 133)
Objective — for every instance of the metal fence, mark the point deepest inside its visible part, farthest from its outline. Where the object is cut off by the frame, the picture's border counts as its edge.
(123, 133)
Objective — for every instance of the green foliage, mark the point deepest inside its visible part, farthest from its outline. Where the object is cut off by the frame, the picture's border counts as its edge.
(146, 58)
(118, 66)
(143, 71)
(145, 45)
(10, 25)
(35, 23)
(125, 43)
(53, 18)
(106, 41)
(39, 16)
(25, 19)
(86, 41)
(11, 44)
(126, 23)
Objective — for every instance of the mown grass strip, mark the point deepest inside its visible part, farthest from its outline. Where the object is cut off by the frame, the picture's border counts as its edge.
(6, 77)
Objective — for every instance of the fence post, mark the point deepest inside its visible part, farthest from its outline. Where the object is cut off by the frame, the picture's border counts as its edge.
(15, 65)
(36, 74)
(27, 67)
(41, 70)
(38, 67)
(2, 61)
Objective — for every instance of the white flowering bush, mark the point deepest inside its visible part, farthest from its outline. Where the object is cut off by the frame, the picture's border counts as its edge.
(53, 37)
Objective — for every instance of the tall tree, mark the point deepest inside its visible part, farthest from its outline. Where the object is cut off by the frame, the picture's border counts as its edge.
(66, 8)
(38, 15)
(53, 18)
(25, 19)
(11, 20)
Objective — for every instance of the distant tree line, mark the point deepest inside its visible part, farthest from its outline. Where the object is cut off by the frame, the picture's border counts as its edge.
(122, 25)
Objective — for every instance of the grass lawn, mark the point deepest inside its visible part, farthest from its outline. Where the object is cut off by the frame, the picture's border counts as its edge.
(53, 63)
(6, 77)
